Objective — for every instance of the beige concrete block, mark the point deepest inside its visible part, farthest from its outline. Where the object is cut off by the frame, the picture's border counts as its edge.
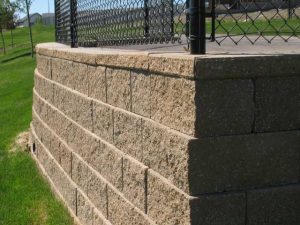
(85, 210)
(44, 88)
(59, 97)
(118, 88)
(175, 64)
(83, 112)
(80, 173)
(56, 69)
(80, 78)
(97, 193)
(99, 219)
(66, 73)
(108, 162)
(173, 102)
(44, 65)
(166, 205)
(103, 121)
(140, 84)
(65, 158)
(40, 107)
(120, 211)
(134, 182)
(128, 134)
(167, 152)
(97, 82)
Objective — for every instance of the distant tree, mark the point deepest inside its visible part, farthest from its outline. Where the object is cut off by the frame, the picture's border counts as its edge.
(24, 6)
(2, 22)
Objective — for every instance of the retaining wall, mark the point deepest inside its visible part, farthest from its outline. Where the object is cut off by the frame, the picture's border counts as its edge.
(169, 139)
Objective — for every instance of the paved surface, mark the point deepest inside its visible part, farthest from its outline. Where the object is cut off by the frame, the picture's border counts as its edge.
(261, 47)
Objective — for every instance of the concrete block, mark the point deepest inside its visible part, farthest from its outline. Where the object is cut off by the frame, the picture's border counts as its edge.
(63, 72)
(80, 78)
(97, 82)
(166, 205)
(65, 158)
(80, 173)
(40, 107)
(85, 211)
(224, 107)
(141, 95)
(128, 134)
(118, 88)
(274, 206)
(103, 121)
(120, 211)
(277, 104)
(99, 219)
(219, 209)
(44, 88)
(166, 152)
(83, 112)
(243, 162)
(134, 182)
(97, 193)
(44, 65)
(108, 162)
(173, 102)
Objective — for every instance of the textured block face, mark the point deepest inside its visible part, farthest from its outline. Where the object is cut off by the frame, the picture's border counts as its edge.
(44, 65)
(134, 182)
(108, 162)
(80, 173)
(224, 107)
(229, 209)
(97, 193)
(121, 212)
(103, 121)
(83, 112)
(44, 88)
(166, 206)
(166, 152)
(278, 104)
(239, 162)
(118, 88)
(80, 78)
(99, 220)
(65, 158)
(128, 134)
(274, 206)
(140, 85)
(85, 210)
(66, 73)
(97, 82)
(173, 102)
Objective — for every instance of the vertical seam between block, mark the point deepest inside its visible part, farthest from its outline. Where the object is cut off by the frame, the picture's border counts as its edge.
(106, 85)
(146, 191)
(122, 175)
(130, 90)
(106, 190)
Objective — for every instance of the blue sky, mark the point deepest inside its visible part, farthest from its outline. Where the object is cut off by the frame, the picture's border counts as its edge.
(41, 6)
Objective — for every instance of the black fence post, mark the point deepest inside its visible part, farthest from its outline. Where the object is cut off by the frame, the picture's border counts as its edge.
(73, 23)
(197, 26)
(213, 20)
(146, 26)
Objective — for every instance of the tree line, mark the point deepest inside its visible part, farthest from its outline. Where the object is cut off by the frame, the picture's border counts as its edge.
(8, 10)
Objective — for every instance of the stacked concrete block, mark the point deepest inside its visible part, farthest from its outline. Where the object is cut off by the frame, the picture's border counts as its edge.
(169, 139)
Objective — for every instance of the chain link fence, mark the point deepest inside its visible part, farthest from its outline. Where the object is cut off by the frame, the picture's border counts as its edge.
(92, 23)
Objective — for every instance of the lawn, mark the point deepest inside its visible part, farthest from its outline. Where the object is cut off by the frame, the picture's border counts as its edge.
(25, 197)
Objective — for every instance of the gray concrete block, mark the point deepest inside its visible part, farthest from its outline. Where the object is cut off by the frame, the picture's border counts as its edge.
(219, 209)
(224, 107)
(277, 104)
(280, 206)
(242, 162)
(80, 173)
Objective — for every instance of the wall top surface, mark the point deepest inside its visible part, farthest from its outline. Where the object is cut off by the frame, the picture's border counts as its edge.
(214, 66)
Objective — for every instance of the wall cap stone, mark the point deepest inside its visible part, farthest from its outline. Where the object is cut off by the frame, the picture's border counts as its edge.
(210, 66)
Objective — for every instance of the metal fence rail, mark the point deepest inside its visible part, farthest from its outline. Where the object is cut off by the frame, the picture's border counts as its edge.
(126, 22)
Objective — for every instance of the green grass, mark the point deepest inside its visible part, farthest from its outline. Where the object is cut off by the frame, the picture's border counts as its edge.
(25, 197)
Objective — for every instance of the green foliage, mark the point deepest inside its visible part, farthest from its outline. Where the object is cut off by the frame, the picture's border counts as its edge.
(25, 197)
